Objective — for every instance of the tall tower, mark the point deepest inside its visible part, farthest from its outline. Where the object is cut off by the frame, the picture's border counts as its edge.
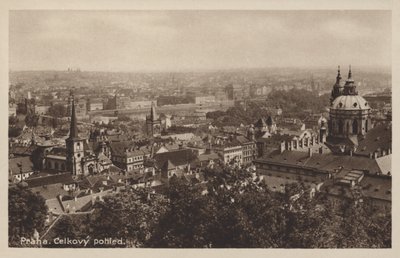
(337, 88)
(74, 144)
(153, 124)
(349, 115)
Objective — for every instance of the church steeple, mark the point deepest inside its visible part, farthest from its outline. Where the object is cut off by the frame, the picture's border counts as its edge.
(350, 75)
(337, 87)
(153, 115)
(73, 130)
(338, 77)
(350, 87)
(153, 124)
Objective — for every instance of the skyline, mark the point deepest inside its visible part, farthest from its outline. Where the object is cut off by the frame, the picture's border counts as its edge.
(153, 41)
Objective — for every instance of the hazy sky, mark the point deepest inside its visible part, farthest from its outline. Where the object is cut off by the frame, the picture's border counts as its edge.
(175, 40)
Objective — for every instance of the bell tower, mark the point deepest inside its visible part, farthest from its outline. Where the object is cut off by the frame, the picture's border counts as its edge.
(74, 144)
(153, 124)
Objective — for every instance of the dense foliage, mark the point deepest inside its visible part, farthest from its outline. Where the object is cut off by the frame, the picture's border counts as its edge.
(58, 110)
(26, 213)
(291, 100)
(234, 209)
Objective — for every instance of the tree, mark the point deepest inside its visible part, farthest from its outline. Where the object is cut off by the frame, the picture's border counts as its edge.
(64, 228)
(233, 208)
(31, 120)
(130, 215)
(12, 121)
(14, 131)
(26, 213)
(184, 223)
(58, 110)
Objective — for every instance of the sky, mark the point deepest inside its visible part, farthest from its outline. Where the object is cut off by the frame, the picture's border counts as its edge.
(197, 40)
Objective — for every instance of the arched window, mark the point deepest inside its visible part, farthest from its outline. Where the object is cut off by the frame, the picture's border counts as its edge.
(91, 169)
(355, 126)
(366, 125)
(340, 126)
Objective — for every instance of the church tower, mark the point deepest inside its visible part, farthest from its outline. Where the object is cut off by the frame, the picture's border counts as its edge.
(74, 144)
(350, 87)
(153, 124)
(348, 116)
(337, 88)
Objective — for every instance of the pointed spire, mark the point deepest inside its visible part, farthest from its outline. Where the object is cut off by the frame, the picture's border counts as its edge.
(339, 76)
(349, 72)
(153, 112)
(73, 131)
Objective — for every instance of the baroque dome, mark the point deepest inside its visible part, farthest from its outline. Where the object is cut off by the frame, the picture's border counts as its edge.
(350, 102)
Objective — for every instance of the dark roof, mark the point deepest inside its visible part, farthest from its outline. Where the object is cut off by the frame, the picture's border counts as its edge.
(260, 123)
(64, 178)
(118, 148)
(323, 162)
(375, 187)
(25, 163)
(177, 157)
(50, 191)
(59, 151)
(243, 140)
(22, 150)
(96, 182)
(208, 156)
(379, 137)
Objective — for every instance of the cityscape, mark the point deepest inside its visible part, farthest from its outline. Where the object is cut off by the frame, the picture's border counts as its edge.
(200, 152)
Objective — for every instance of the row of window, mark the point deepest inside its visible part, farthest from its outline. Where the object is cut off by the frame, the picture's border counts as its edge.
(136, 158)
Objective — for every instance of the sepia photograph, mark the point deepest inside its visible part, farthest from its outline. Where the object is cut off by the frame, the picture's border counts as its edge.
(199, 129)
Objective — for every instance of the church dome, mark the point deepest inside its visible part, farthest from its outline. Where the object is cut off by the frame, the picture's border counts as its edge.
(350, 102)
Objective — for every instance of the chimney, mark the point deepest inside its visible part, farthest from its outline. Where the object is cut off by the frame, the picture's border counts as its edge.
(310, 152)
(351, 153)
(375, 154)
